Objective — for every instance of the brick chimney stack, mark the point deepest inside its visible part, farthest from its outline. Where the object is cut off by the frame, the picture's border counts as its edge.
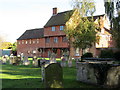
(55, 11)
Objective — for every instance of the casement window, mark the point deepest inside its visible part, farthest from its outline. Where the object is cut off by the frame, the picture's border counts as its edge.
(33, 42)
(64, 39)
(22, 41)
(55, 39)
(53, 28)
(37, 40)
(26, 42)
(19, 42)
(47, 40)
(30, 41)
(61, 27)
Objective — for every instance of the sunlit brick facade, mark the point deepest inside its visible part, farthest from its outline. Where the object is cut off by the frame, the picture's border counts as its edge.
(42, 42)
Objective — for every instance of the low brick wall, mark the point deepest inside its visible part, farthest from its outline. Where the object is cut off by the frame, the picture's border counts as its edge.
(107, 75)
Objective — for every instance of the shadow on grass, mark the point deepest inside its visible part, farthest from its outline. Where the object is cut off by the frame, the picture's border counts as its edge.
(77, 84)
(22, 83)
(30, 77)
(20, 70)
(20, 77)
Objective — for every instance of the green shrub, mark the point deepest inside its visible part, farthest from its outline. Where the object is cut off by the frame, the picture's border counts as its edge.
(106, 54)
(87, 55)
(117, 55)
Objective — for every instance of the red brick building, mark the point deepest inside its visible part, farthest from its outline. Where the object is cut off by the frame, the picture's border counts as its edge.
(52, 37)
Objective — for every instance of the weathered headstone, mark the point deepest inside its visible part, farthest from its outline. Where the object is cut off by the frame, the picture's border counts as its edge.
(53, 76)
(18, 60)
(70, 62)
(113, 77)
(4, 60)
(14, 61)
(35, 62)
(26, 62)
(11, 59)
(53, 58)
(85, 73)
(63, 61)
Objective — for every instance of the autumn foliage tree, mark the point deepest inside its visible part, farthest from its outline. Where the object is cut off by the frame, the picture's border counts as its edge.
(84, 34)
(5, 45)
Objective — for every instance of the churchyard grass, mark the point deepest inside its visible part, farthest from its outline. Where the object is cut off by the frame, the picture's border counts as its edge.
(30, 77)
(58, 59)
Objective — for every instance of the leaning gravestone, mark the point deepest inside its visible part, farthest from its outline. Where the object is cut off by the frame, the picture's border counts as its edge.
(14, 61)
(53, 76)
(26, 62)
(35, 62)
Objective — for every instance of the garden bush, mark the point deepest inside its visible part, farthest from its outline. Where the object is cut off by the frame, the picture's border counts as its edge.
(117, 55)
(87, 55)
(106, 54)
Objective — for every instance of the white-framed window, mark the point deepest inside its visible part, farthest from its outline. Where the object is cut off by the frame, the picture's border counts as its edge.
(37, 40)
(26, 42)
(55, 39)
(61, 27)
(22, 41)
(53, 28)
(19, 42)
(30, 41)
(33, 42)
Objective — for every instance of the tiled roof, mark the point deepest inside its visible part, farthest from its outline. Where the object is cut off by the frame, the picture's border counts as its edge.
(58, 19)
(61, 18)
(32, 34)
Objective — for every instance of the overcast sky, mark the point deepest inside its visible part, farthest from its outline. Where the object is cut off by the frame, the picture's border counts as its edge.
(17, 16)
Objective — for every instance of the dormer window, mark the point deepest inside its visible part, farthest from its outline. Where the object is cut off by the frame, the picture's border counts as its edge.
(53, 28)
(61, 27)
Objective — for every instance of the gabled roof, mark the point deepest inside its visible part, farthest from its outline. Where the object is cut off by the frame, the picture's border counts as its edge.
(32, 34)
(96, 17)
(59, 19)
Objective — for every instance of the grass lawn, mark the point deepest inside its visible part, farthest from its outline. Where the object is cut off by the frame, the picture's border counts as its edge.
(30, 77)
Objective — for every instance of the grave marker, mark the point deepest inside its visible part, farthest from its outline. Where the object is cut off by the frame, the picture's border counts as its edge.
(53, 76)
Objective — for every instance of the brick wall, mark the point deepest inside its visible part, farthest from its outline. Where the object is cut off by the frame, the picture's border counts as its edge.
(48, 31)
(28, 46)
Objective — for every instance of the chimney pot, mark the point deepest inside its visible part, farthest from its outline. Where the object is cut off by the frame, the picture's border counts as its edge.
(55, 11)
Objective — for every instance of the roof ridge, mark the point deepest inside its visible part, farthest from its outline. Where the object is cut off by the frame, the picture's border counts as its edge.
(35, 29)
(32, 34)
(64, 11)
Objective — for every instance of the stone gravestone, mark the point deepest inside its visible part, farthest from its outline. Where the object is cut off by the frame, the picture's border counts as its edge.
(70, 62)
(4, 60)
(35, 62)
(14, 60)
(113, 77)
(18, 60)
(11, 59)
(43, 63)
(53, 76)
(63, 61)
(26, 61)
(53, 58)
